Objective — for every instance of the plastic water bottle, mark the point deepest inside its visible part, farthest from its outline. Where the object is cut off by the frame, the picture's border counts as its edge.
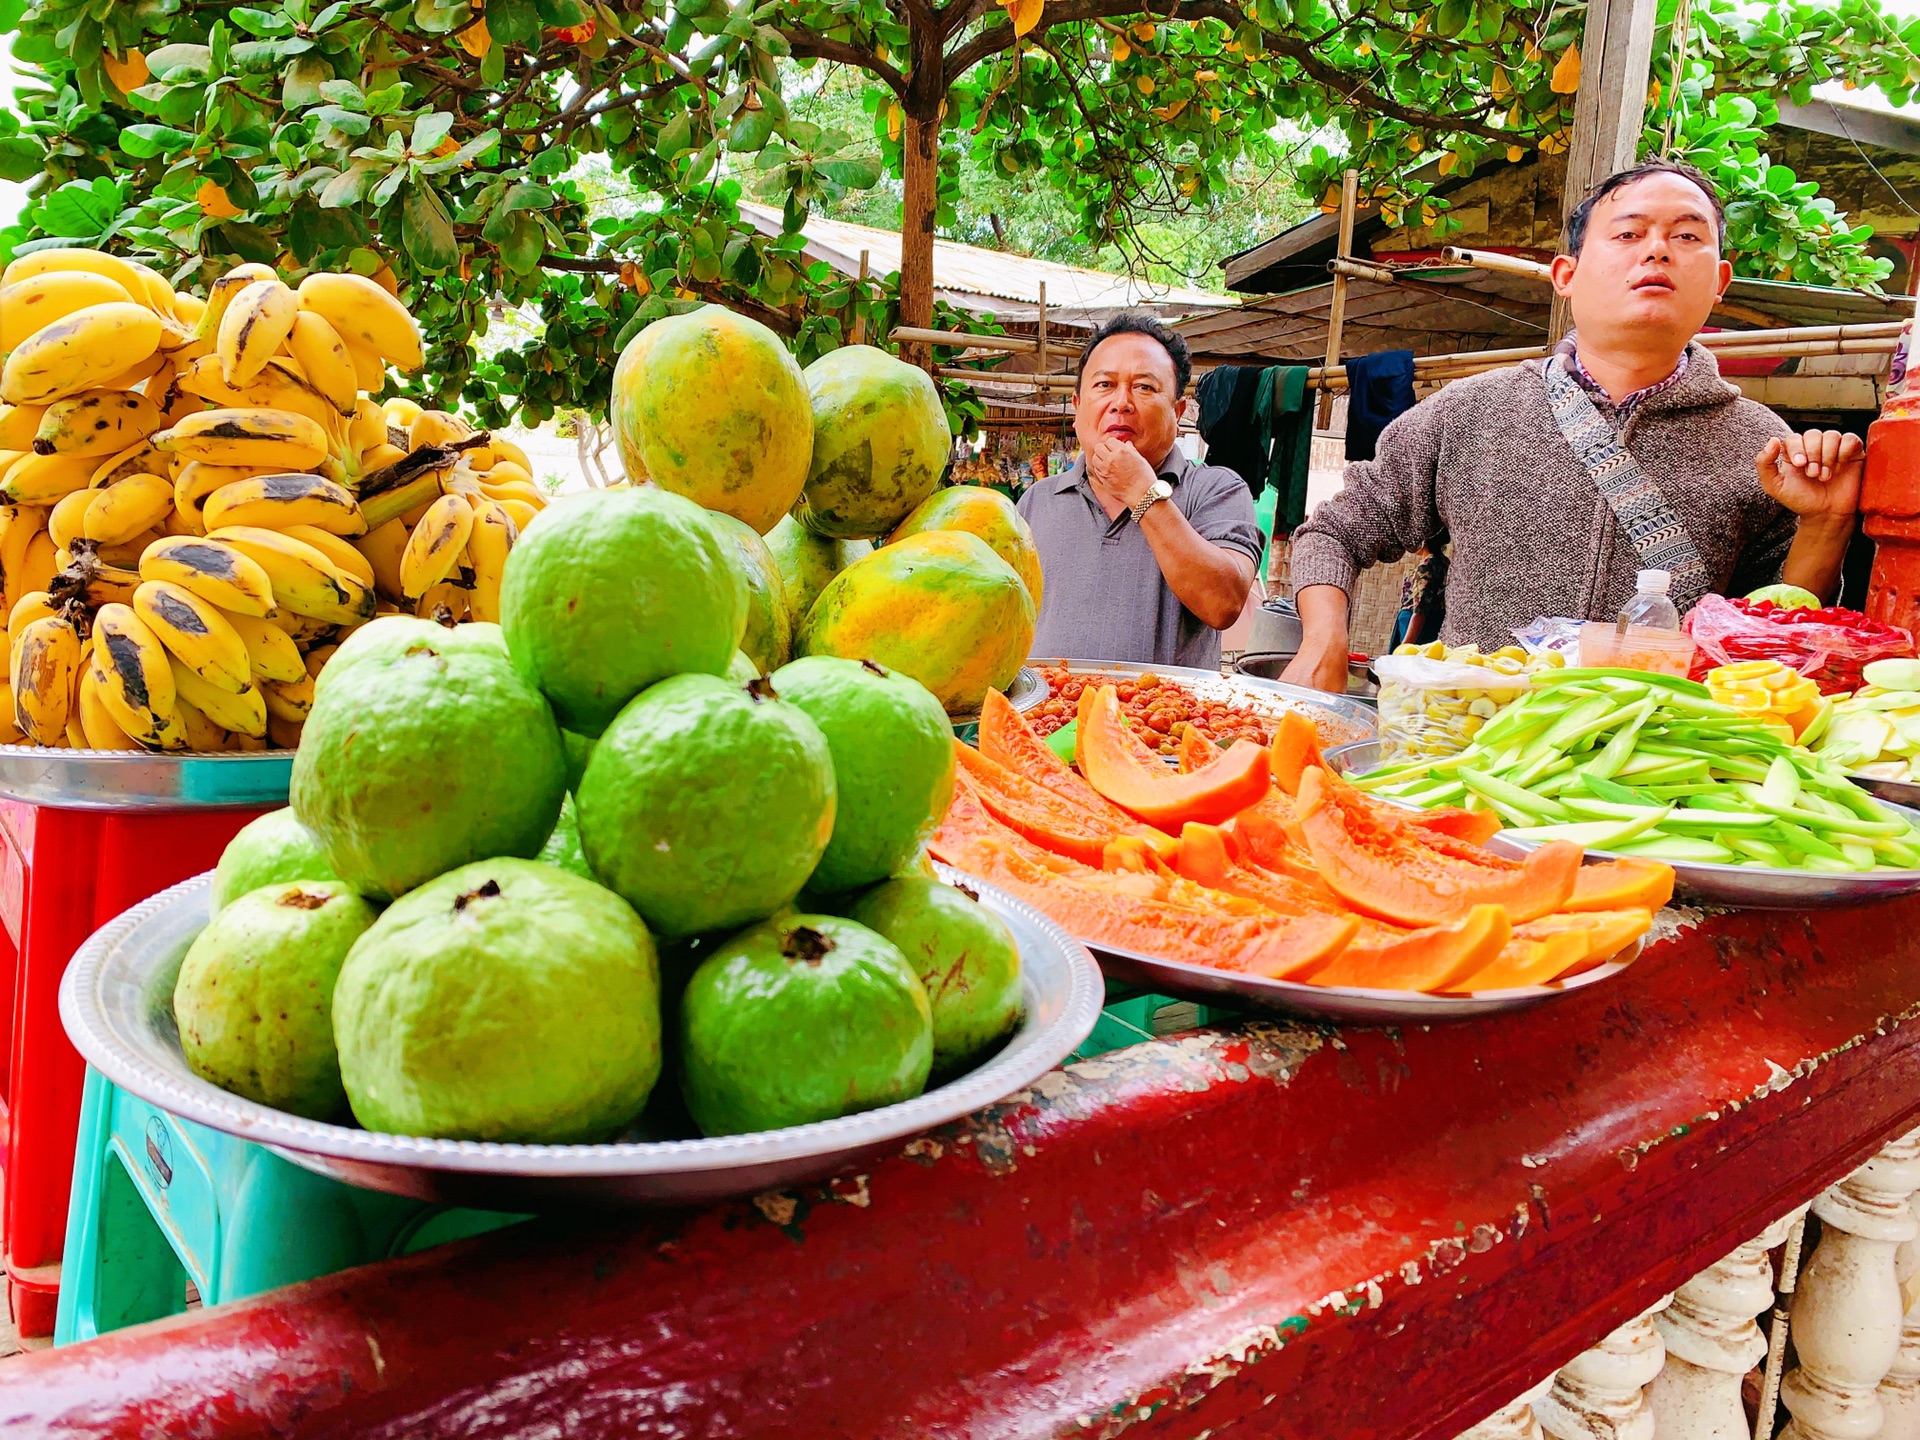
(1650, 607)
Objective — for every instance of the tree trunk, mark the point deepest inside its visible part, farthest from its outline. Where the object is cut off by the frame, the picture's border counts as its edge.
(921, 139)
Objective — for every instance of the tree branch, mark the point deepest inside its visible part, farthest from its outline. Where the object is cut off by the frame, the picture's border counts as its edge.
(818, 47)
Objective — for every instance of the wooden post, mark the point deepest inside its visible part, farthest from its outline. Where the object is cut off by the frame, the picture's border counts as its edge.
(860, 292)
(1040, 351)
(1337, 312)
(1616, 55)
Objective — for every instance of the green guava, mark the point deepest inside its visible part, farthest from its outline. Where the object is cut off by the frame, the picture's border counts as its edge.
(768, 639)
(254, 998)
(506, 1000)
(562, 849)
(707, 804)
(741, 668)
(271, 850)
(807, 561)
(387, 637)
(1787, 597)
(893, 764)
(579, 750)
(612, 590)
(413, 763)
(802, 1018)
(963, 953)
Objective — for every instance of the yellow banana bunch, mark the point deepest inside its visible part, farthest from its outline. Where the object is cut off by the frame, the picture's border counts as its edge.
(79, 352)
(46, 656)
(435, 546)
(195, 633)
(271, 651)
(96, 423)
(246, 437)
(253, 327)
(278, 501)
(366, 318)
(211, 569)
(136, 680)
(492, 537)
(303, 578)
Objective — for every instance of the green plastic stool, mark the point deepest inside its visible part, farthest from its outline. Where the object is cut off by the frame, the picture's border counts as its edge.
(159, 1201)
(1131, 1020)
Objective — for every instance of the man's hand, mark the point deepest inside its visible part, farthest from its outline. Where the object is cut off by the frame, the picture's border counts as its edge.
(1318, 669)
(1120, 474)
(1322, 661)
(1815, 475)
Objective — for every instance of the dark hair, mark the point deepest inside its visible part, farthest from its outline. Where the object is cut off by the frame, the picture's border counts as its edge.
(1132, 322)
(1577, 221)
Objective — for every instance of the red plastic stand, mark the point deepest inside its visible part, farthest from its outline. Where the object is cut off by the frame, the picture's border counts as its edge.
(63, 874)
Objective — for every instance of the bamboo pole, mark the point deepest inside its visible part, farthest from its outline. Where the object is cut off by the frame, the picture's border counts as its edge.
(1494, 260)
(860, 316)
(1040, 330)
(1337, 313)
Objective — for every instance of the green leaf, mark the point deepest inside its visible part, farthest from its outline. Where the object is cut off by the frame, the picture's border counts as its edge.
(348, 122)
(429, 130)
(524, 245)
(349, 187)
(20, 158)
(854, 174)
(750, 132)
(301, 82)
(143, 142)
(526, 197)
(561, 13)
(513, 22)
(549, 162)
(427, 231)
(330, 16)
(80, 209)
(342, 92)
(388, 186)
(385, 102)
(675, 138)
(266, 23)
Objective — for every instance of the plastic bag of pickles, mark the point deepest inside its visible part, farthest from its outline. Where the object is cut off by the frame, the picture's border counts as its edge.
(1435, 698)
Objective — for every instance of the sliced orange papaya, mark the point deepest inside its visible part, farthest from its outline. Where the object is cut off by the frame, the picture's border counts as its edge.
(1476, 827)
(1295, 747)
(1525, 960)
(1626, 884)
(1606, 933)
(1387, 869)
(1007, 739)
(968, 819)
(1147, 788)
(1430, 959)
(1093, 909)
(1206, 857)
(1042, 815)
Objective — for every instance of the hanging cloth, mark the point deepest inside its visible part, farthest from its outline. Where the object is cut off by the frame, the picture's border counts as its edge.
(1234, 437)
(1379, 390)
(1656, 532)
(1286, 418)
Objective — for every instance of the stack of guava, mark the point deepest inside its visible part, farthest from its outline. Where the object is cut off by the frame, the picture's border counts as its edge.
(531, 868)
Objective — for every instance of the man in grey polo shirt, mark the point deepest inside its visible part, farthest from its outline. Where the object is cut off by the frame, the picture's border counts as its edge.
(1147, 556)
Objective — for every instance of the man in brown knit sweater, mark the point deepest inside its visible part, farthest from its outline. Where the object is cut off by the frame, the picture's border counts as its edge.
(1485, 460)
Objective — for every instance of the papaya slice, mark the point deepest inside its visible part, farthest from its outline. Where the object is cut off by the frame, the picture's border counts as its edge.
(1606, 933)
(1295, 748)
(1007, 740)
(1099, 912)
(1528, 961)
(1148, 789)
(1434, 958)
(1388, 870)
(968, 820)
(1206, 857)
(1476, 827)
(1625, 884)
(1044, 816)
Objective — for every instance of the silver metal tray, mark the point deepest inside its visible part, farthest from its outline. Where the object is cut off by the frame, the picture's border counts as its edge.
(1341, 720)
(1896, 792)
(129, 780)
(1332, 1002)
(1742, 886)
(116, 1001)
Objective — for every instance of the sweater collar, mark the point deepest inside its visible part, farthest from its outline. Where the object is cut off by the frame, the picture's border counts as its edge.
(1695, 383)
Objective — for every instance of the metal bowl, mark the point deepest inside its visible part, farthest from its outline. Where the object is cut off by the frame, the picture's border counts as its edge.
(1340, 719)
(116, 1001)
(1271, 664)
(136, 780)
(1743, 886)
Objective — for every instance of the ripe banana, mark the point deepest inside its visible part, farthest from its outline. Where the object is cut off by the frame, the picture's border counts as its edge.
(506, 450)
(317, 657)
(158, 293)
(138, 374)
(101, 730)
(505, 471)
(487, 547)
(195, 633)
(271, 653)
(34, 605)
(108, 584)
(275, 502)
(284, 734)
(523, 490)
(369, 371)
(42, 563)
(434, 547)
(400, 412)
(245, 712)
(18, 425)
(137, 459)
(195, 481)
(46, 654)
(220, 295)
(454, 600)
(304, 579)
(28, 306)
(18, 526)
(136, 678)
(188, 309)
(126, 508)
(323, 356)
(290, 700)
(436, 427)
(247, 437)
(66, 522)
(211, 569)
(379, 457)
(9, 724)
(335, 548)
(383, 548)
(79, 352)
(253, 328)
(202, 734)
(179, 524)
(43, 479)
(365, 316)
(67, 258)
(95, 423)
(367, 430)
(522, 512)
(278, 386)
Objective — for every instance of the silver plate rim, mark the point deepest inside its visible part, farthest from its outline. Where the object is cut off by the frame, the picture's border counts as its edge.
(1352, 713)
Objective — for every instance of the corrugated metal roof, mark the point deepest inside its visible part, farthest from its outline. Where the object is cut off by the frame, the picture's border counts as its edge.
(978, 279)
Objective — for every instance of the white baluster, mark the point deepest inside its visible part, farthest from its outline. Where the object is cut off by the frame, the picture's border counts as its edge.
(1599, 1394)
(1847, 1313)
(1712, 1342)
(1511, 1422)
(1900, 1390)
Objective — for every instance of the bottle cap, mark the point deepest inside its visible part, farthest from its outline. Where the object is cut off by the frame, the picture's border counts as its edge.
(1652, 582)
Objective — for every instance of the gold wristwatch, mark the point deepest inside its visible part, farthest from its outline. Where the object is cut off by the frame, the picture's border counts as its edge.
(1156, 492)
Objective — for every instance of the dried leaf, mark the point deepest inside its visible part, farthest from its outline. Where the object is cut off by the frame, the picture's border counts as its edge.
(1566, 74)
